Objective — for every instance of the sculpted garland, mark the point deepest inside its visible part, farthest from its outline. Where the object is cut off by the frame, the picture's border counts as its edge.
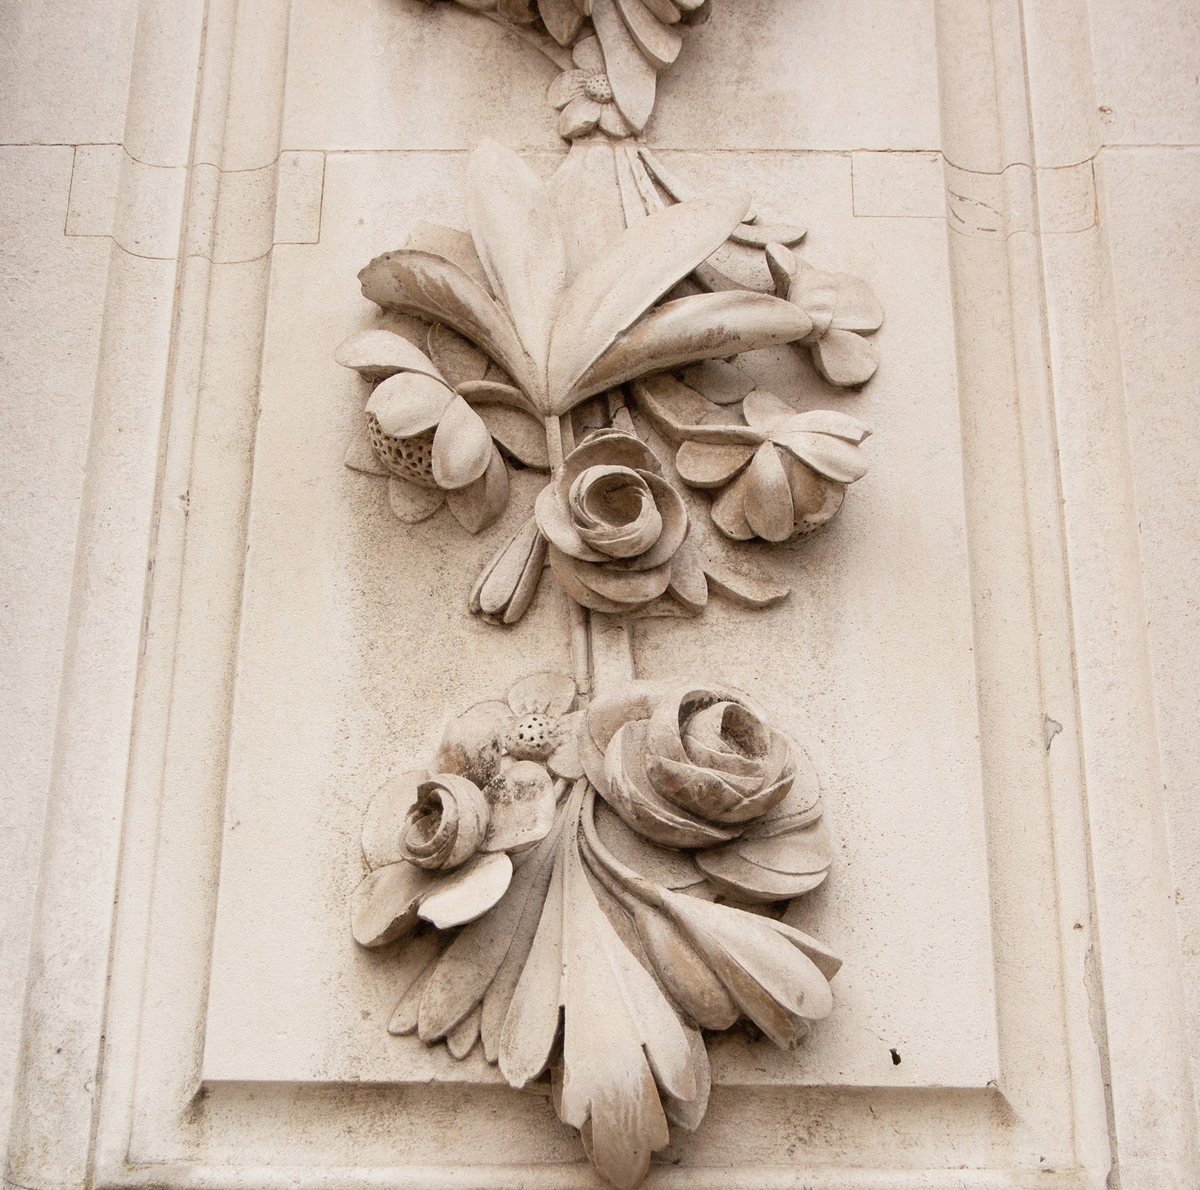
(594, 870)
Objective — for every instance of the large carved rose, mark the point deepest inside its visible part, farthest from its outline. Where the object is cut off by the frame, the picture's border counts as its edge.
(614, 523)
(688, 766)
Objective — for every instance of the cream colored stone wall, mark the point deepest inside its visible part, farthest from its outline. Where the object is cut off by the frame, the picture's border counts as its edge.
(186, 192)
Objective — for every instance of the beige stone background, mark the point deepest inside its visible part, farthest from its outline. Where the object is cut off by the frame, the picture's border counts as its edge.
(93, 178)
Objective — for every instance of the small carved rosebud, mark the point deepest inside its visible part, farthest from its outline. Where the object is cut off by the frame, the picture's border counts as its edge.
(447, 824)
(507, 584)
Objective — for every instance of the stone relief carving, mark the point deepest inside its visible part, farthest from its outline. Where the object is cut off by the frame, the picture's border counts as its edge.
(595, 870)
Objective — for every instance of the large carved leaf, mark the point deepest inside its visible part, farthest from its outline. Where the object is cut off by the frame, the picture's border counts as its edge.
(431, 287)
(777, 986)
(473, 959)
(516, 232)
(616, 289)
(703, 326)
(621, 1040)
(633, 78)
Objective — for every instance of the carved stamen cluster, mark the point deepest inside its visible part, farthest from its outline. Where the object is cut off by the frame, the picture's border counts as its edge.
(532, 738)
(409, 458)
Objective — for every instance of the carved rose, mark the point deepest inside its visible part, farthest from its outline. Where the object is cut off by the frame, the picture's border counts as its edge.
(614, 523)
(446, 824)
(688, 766)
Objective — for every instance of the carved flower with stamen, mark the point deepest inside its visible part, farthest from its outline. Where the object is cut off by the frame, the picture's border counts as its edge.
(783, 473)
(584, 95)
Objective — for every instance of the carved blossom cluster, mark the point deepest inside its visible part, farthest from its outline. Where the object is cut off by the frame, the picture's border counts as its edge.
(438, 843)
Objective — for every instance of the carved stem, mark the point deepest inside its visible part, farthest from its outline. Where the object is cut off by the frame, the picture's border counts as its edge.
(626, 878)
(560, 441)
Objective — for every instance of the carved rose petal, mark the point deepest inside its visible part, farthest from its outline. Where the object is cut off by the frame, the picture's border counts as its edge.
(411, 503)
(468, 893)
(447, 824)
(564, 566)
(769, 509)
(550, 694)
(688, 583)
(762, 870)
(614, 511)
(727, 734)
(477, 505)
(409, 403)
(554, 520)
(387, 818)
(384, 906)
(377, 354)
(458, 359)
(522, 803)
(618, 584)
(642, 806)
(844, 358)
(661, 865)
(729, 511)
(613, 448)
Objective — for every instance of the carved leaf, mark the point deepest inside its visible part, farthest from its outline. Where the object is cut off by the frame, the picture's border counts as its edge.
(531, 1021)
(412, 503)
(478, 504)
(840, 425)
(633, 79)
(857, 307)
(506, 585)
(462, 1038)
(462, 446)
(743, 586)
(413, 969)
(433, 288)
(620, 1038)
(476, 956)
(777, 987)
(845, 358)
(467, 892)
(675, 411)
(521, 435)
(702, 326)
(659, 44)
(377, 354)
(516, 233)
(456, 246)
(615, 289)
(547, 693)
(720, 382)
(729, 511)
(492, 392)
(458, 360)
(563, 19)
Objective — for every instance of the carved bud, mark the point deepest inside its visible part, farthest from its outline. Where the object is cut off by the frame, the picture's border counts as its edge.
(507, 584)
(446, 824)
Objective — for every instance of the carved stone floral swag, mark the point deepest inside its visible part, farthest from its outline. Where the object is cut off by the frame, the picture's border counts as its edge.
(594, 870)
